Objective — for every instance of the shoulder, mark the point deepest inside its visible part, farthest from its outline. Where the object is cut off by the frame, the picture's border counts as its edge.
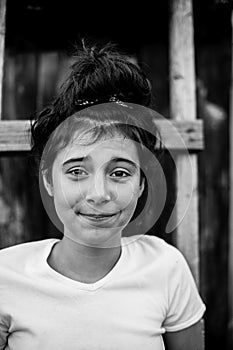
(18, 255)
(155, 250)
(152, 245)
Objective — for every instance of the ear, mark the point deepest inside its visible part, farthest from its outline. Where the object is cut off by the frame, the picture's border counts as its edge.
(47, 182)
(141, 187)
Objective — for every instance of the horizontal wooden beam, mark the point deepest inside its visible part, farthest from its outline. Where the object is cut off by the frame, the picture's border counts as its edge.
(15, 135)
(182, 135)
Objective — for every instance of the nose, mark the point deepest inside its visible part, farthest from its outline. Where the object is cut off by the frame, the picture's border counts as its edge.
(98, 191)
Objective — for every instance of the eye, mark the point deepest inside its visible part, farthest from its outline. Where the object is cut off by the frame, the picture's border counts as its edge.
(119, 173)
(78, 172)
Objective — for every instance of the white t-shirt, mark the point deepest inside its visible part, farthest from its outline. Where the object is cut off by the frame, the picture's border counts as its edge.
(149, 291)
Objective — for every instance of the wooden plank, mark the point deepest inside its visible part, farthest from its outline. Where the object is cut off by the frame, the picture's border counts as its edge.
(230, 251)
(183, 108)
(179, 134)
(20, 85)
(2, 46)
(50, 69)
(15, 136)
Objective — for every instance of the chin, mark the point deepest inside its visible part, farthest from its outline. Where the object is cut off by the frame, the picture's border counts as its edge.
(102, 238)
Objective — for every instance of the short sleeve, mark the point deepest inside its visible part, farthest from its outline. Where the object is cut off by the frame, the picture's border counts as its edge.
(185, 306)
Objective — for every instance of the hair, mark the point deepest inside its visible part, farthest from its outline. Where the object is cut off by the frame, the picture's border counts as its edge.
(104, 121)
(97, 75)
(131, 121)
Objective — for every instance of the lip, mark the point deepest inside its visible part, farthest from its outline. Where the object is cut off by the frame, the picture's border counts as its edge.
(98, 217)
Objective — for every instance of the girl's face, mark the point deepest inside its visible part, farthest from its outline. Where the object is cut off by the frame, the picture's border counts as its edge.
(95, 189)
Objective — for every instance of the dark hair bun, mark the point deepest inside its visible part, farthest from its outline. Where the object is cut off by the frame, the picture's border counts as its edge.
(97, 74)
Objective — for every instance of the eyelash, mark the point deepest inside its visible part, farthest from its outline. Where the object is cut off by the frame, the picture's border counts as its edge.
(121, 171)
(74, 173)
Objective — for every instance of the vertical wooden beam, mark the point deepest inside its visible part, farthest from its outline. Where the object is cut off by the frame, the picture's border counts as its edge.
(230, 252)
(2, 46)
(4, 209)
(183, 107)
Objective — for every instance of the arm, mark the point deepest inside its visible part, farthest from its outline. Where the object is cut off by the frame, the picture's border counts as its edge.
(189, 338)
(185, 310)
(3, 335)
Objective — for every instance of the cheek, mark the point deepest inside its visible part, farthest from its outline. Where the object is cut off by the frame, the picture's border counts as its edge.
(67, 193)
(127, 195)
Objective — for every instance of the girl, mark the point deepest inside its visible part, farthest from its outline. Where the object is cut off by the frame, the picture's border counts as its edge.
(94, 288)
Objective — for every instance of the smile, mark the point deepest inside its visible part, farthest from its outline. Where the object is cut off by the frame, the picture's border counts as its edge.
(98, 217)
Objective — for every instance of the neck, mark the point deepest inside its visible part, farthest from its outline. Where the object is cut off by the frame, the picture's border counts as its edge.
(83, 263)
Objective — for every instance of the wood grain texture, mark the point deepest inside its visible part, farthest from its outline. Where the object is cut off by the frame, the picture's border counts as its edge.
(15, 135)
(2, 46)
(183, 108)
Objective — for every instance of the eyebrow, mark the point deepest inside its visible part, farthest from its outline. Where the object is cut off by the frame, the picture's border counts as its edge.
(75, 160)
(125, 160)
(113, 159)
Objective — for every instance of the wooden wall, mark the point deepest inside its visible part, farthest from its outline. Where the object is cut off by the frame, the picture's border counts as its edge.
(30, 82)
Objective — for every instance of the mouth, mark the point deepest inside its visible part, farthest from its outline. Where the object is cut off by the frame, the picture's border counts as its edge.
(97, 217)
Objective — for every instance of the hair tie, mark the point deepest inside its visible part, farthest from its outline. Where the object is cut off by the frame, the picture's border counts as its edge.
(112, 98)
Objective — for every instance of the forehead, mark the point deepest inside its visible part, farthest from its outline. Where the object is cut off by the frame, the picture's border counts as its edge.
(105, 148)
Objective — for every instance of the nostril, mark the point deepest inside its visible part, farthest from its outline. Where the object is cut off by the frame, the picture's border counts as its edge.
(98, 192)
(98, 199)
